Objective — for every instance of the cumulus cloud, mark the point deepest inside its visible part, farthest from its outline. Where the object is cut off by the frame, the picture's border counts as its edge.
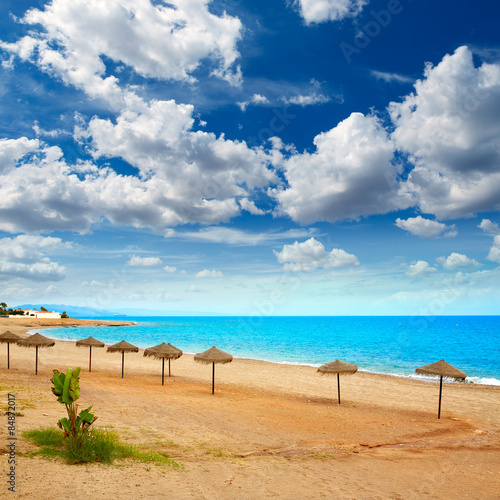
(25, 257)
(73, 197)
(420, 268)
(12, 150)
(197, 174)
(489, 227)
(351, 174)
(250, 207)
(426, 228)
(184, 175)
(494, 254)
(170, 269)
(455, 261)
(209, 274)
(136, 260)
(449, 128)
(163, 41)
(314, 11)
(260, 99)
(311, 254)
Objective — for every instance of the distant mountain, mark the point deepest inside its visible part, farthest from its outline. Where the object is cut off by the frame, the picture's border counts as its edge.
(89, 312)
(71, 311)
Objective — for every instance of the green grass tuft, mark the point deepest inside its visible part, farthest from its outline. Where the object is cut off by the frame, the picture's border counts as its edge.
(45, 437)
(97, 446)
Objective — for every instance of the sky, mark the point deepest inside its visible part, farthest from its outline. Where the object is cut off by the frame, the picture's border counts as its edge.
(306, 157)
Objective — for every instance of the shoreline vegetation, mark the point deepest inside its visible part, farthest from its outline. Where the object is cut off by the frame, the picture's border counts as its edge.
(271, 429)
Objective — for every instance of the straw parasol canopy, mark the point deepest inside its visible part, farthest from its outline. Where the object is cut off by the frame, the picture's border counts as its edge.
(123, 347)
(441, 369)
(9, 338)
(213, 355)
(36, 341)
(89, 342)
(340, 368)
(164, 351)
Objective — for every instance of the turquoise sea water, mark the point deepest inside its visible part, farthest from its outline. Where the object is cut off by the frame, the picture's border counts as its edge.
(393, 345)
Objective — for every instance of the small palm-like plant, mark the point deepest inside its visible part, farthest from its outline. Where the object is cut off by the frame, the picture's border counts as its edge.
(67, 389)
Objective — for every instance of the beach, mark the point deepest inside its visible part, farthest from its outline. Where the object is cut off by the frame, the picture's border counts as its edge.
(270, 429)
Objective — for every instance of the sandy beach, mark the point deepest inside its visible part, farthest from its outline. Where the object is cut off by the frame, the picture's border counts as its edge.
(270, 431)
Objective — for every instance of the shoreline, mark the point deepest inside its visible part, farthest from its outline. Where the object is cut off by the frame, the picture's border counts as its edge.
(22, 327)
(75, 322)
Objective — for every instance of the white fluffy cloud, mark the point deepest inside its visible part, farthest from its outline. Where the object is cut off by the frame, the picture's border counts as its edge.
(184, 175)
(156, 40)
(12, 150)
(170, 269)
(157, 139)
(206, 273)
(489, 227)
(250, 207)
(311, 254)
(449, 127)
(494, 254)
(425, 228)
(319, 11)
(456, 260)
(73, 197)
(25, 257)
(136, 260)
(420, 268)
(351, 174)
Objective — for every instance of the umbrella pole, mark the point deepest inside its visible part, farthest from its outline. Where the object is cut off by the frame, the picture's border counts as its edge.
(36, 362)
(162, 371)
(338, 385)
(440, 392)
(169, 367)
(213, 377)
(8, 357)
(123, 361)
(90, 359)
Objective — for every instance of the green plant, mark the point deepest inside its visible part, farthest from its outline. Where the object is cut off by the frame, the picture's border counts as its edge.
(98, 445)
(67, 389)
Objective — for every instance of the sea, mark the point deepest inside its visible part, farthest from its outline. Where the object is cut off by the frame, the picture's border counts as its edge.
(380, 344)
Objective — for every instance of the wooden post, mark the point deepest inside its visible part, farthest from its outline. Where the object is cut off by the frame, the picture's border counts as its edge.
(90, 360)
(8, 356)
(162, 371)
(123, 361)
(440, 392)
(36, 362)
(338, 385)
(213, 377)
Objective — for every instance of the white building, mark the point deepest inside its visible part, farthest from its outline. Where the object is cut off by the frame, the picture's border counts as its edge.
(33, 313)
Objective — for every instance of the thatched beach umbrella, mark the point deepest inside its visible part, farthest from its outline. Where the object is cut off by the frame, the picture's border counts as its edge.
(9, 338)
(442, 369)
(123, 347)
(89, 342)
(213, 355)
(36, 341)
(338, 367)
(163, 351)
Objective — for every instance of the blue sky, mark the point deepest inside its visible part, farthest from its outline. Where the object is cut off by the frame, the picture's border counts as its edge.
(334, 157)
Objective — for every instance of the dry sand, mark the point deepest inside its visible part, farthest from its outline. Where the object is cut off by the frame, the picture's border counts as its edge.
(270, 430)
